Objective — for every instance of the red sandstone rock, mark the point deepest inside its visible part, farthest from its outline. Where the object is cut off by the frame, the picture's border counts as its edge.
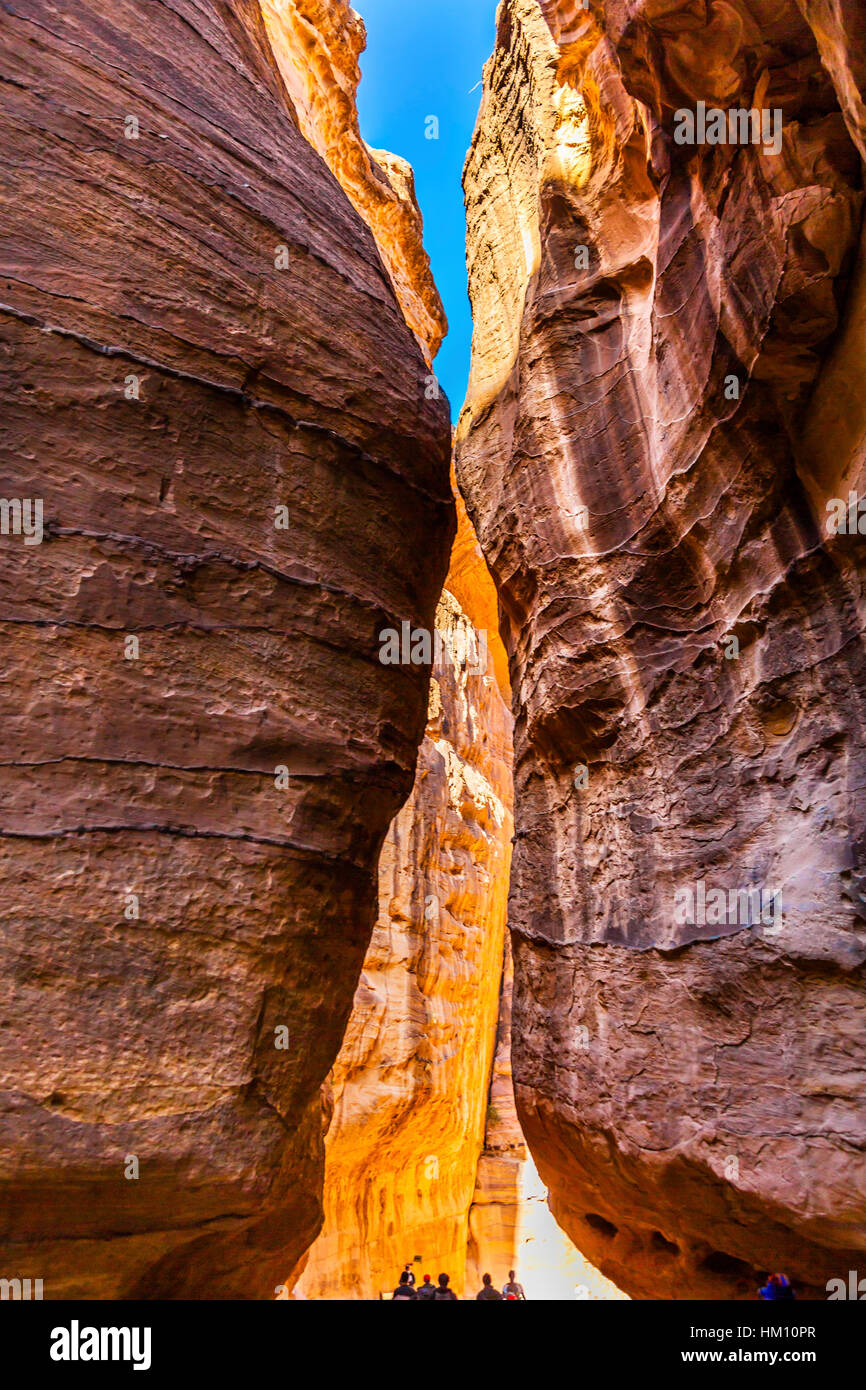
(693, 1094)
(197, 329)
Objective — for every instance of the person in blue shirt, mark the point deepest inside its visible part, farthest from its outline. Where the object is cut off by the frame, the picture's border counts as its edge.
(777, 1287)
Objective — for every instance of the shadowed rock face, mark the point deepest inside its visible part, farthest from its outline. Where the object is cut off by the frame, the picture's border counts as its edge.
(168, 902)
(667, 388)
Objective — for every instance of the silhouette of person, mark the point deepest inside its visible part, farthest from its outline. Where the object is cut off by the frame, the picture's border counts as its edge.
(487, 1290)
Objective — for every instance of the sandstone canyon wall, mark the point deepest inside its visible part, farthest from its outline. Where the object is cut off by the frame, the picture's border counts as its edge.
(410, 1086)
(511, 1225)
(495, 1213)
(208, 382)
(667, 387)
(317, 45)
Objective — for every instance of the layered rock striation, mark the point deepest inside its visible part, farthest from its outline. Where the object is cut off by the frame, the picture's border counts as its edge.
(666, 393)
(213, 405)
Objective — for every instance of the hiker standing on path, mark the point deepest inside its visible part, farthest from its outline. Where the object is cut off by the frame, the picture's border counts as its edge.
(404, 1288)
(443, 1290)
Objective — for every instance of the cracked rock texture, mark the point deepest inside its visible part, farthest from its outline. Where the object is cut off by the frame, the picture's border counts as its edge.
(196, 330)
(411, 1081)
(667, 387)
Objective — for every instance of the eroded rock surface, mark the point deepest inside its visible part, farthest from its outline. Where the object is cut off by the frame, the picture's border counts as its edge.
(197, 330)
(410, 1086)
(667, 387)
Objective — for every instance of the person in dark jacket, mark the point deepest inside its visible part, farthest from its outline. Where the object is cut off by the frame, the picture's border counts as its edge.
(443, 1290)
(407, 1268)
(404, 1288)
(426, 1290)
(487, 1290)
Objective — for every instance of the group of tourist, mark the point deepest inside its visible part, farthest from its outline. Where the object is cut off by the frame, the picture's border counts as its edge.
(442, 1290)
(778, 1286)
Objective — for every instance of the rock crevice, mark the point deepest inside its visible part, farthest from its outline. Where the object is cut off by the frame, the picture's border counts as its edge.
(656, 329)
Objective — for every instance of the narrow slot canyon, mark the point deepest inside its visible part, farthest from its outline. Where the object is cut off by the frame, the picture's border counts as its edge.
(433, 843)
(425, 1161)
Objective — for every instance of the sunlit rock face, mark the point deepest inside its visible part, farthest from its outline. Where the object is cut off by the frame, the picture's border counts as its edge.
(510, 1222)
(667, 388)
(494, 1218)
(410, 1084)
(197, 332)
(317, 44)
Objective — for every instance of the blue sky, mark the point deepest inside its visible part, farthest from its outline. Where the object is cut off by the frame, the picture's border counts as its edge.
(422, 59)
